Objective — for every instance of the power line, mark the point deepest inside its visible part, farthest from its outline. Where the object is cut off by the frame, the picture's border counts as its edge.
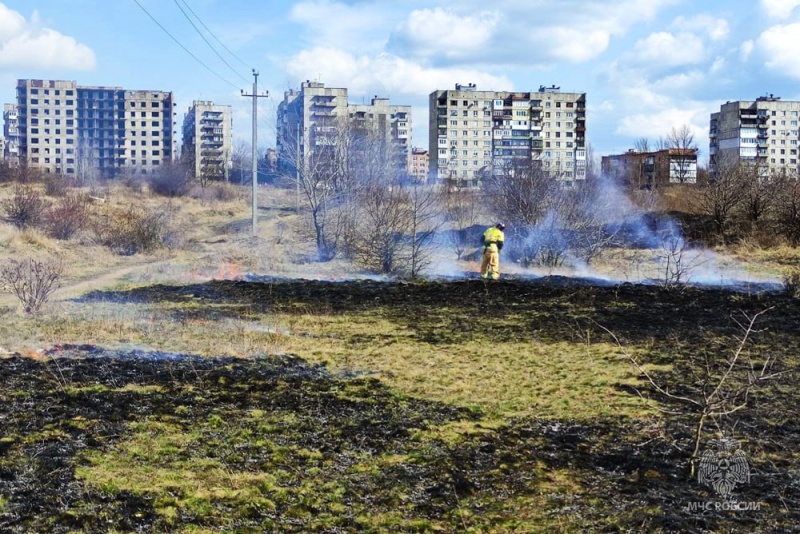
(212, 71)
(214, 36)
(206, 40)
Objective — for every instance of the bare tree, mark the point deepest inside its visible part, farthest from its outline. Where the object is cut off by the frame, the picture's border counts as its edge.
(241, 162)
(681, 142)
(724, 193)
(642, 144)
(461, 211)
(382, 227)
(788, 209)
(425, 219)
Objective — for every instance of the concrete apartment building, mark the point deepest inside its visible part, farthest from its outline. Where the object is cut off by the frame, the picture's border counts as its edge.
(93, 131)
(11, 134)
(418, 170)
(762, 132)
(472, 132)
(311, 119)
(208, 140)
(646, 170)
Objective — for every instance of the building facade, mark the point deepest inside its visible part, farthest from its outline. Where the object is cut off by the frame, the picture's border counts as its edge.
(208, 140)
(472, 132)
(762, 132)
(646, 170)
(11, 134)
(418, 170)
(93, 131)
(313, 118)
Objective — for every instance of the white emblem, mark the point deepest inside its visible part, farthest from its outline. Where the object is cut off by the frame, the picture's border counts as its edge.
(723, 469)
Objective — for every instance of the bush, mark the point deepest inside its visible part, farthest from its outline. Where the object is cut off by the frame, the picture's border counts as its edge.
(32, 281)
(67, 217)
(170, 181)
(791, 283)
(55, 185)
(25, 207)
(134, 230)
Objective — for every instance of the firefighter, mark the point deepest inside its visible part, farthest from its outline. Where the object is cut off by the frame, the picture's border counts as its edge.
(492, 241)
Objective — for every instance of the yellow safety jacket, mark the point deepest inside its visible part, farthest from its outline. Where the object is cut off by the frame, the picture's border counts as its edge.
(493, 239)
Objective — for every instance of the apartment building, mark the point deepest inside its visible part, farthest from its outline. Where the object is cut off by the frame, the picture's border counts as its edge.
(418, 169)
(646, 170)
(312, 118)
(11, 134)
(472, 132)
(208, 140)
(762, 132)
(93, 131)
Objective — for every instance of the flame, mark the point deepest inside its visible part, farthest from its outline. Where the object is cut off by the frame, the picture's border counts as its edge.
(229, 271)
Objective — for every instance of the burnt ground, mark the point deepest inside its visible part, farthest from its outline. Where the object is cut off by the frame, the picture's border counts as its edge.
(349, 455)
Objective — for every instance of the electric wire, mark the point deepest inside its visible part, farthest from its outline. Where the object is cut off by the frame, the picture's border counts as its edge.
(212, 71)
(237, 58)
(208, 43)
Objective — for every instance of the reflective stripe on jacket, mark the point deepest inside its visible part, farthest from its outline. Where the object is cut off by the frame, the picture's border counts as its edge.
(491, 237)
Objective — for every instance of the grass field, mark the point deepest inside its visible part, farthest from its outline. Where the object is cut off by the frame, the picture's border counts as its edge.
(149, 398)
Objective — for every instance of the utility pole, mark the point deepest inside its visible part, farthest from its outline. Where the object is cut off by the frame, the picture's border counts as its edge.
(255, 96)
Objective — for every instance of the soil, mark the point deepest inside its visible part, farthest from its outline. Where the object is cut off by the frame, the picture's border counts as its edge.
(624, 475)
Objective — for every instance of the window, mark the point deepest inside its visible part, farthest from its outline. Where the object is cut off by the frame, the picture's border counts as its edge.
(453, 123)
(154, 104)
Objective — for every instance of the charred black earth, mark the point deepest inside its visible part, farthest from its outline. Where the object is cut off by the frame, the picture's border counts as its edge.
(334, 453)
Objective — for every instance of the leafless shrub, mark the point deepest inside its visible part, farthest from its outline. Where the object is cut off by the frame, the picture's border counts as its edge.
(134, 230)
(788, 210)
(724, 194)
(25, 206)
(461, 212)
(67, 217)
(791, 283)
(382, 225)
(170, 181)
(32, 281)
(219, 192)
(723, 385)
(55, 185)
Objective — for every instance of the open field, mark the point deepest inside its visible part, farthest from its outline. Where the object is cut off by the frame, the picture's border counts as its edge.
(153, 395)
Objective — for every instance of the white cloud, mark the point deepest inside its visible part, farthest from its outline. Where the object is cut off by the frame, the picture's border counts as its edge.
(665, 49)
(779, 9)
(363, 74)
(24, 44)
(715, 28)
(445, 33)
(781, 48)
(348, 27)
(518, 33)
(659, 123)
(746, 49)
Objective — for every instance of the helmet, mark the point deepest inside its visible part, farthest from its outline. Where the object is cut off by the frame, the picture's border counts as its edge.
(500, 226)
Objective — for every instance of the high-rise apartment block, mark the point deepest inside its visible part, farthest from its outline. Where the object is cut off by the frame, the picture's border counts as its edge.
(762, 132)
(75, 130)
(11, 134)
(472, 132)
(208, 140)
(313, 117)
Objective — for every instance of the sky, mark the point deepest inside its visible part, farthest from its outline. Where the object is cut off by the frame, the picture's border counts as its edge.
(646, 66)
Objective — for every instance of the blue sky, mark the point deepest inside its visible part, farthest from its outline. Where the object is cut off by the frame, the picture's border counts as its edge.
(646, 66)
